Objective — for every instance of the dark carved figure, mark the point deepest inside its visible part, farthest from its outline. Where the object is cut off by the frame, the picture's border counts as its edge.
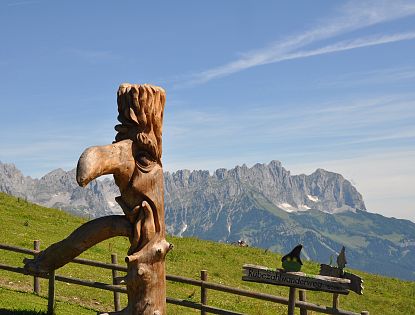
(341, 259)
(292, 261)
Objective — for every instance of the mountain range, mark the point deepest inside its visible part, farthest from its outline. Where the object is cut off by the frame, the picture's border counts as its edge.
(263, 205)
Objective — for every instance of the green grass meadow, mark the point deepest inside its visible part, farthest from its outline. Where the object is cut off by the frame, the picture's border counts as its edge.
(22, 222)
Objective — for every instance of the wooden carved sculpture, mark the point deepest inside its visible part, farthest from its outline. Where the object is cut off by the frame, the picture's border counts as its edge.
(134, 158)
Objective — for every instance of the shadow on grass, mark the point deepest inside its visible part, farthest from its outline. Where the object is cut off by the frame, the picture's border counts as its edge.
(4, 311)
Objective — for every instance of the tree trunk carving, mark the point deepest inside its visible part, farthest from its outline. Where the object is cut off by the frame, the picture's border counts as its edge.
(134, 158)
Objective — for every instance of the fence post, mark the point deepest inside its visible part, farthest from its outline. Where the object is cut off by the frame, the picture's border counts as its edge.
(291, 301)
(114, 261)
(51, 293)
(302, 297)
(36, 283)
(335, 301)
(203, 291)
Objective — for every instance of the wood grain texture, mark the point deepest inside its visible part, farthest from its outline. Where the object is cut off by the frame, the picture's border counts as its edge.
(134, 158)
(356, 282)
(84, 237)
(295, 279)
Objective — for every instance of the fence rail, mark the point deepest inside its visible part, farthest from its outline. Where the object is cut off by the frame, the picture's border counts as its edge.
(116, 288)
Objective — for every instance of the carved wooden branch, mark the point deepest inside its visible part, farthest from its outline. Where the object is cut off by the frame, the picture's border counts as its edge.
(135, 161)
(84, 237)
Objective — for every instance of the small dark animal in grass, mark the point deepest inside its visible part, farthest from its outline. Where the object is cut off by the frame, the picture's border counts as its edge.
(191, 295)
(292, 262)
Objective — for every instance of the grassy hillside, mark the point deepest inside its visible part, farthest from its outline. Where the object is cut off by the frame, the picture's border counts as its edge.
(23, 222)
(14, 302)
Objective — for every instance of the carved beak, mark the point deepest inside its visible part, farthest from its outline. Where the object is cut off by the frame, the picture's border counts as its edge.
(116, 158)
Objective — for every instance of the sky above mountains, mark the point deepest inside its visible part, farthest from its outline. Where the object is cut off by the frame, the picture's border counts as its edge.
(314, 84)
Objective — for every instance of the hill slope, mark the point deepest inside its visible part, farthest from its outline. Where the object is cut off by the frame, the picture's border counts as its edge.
(267, 207)
(263, 205)
(21, 222)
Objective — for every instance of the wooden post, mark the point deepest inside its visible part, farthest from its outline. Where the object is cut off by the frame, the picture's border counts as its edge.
(51, 293)
(36, 283)
(364, 313)
(134, 158)
(203, 290)
(335, 301)
(114, 261)
(291, 301)
(302, 297)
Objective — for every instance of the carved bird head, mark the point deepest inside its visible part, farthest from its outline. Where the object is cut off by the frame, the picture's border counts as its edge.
(134, 158)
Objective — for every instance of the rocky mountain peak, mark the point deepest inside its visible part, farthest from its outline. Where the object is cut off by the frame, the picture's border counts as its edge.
(56, 189)
(12, 180)
(54, 174)
(322, 190)
(272, 183)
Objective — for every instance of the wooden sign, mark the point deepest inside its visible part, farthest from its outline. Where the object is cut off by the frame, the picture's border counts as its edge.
(356, 283)
(330, 271)
(295, 279)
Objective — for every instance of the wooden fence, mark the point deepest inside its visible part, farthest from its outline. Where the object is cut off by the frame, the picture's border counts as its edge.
(117, 288)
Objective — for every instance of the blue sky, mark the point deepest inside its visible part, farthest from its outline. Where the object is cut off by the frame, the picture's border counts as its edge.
(326, 84)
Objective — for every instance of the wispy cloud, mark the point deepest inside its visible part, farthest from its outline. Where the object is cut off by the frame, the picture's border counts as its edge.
(347, 45)
(353, 16)
(337, 127)
(379, 76)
